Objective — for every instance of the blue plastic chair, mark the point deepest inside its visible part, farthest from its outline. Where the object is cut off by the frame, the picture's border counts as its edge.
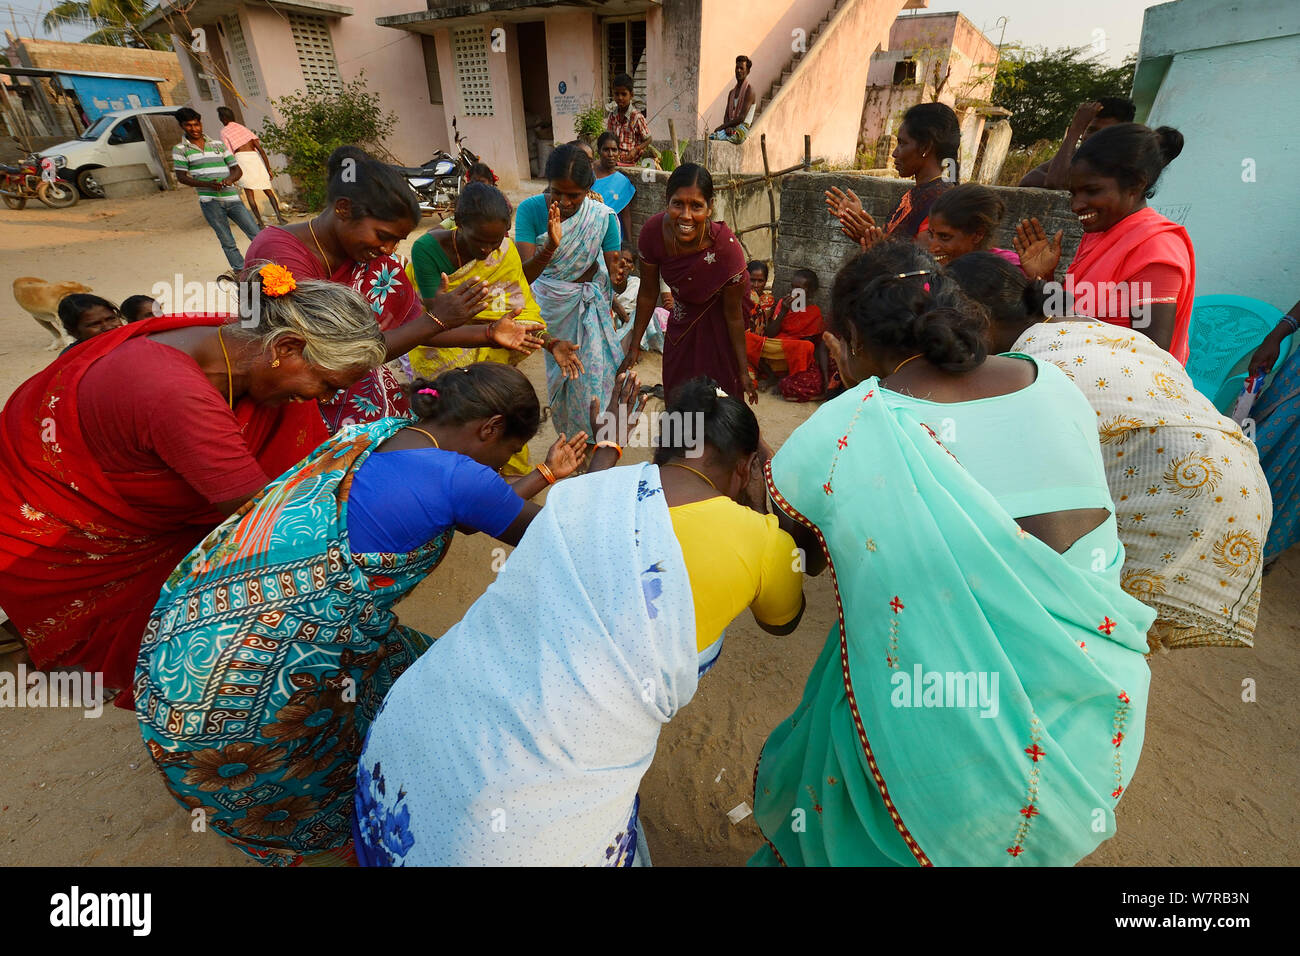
(1223, 334)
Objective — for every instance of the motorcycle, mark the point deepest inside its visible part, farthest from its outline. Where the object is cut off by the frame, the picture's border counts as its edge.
(35, 179)
(437, 183)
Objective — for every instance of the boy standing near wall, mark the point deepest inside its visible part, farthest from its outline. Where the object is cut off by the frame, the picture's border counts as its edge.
(627, 123)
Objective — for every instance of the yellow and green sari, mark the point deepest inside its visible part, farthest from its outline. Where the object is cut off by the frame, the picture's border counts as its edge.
(503, 272)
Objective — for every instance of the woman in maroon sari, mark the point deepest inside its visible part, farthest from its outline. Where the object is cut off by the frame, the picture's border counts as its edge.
(704, 266)
(120, 456)
(370, 209)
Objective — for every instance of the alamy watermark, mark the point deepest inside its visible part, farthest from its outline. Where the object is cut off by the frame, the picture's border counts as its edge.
(677, 430)
(73, 689)
(1112, 299)
(923, 688)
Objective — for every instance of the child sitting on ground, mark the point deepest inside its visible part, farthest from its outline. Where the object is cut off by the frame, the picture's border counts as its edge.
(137, 307)
(792, 337)
(758, 310)
(84, 316)
(625, 303)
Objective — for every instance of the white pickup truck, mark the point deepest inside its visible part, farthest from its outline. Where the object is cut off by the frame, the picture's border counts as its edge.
(115, 139)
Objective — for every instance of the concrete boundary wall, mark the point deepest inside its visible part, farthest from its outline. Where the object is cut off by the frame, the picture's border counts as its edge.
(809, 238)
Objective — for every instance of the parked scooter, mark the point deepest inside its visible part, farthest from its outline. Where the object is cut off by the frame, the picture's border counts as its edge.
(35, 179)
(438, 181)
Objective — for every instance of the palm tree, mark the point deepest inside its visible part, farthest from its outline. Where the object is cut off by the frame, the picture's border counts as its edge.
(116, 21)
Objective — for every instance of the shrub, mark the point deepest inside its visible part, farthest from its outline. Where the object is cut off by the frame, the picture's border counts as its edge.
(317, 121)
(590, 123)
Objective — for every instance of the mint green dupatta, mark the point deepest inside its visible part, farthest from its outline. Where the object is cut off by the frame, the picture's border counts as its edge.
(981, 702)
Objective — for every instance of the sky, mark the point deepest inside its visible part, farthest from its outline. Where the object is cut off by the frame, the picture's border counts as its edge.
(1056, 23)
(1050, 23)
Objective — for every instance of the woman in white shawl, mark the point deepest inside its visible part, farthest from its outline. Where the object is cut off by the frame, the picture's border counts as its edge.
(515, 745)
(1191, 503)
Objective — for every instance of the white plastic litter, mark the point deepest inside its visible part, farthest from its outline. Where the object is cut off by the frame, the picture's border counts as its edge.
(739, 812)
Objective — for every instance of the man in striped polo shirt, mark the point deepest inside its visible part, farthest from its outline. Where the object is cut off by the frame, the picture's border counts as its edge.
(210, 167)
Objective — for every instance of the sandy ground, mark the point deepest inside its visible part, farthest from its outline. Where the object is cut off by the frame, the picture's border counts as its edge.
(1215, 785)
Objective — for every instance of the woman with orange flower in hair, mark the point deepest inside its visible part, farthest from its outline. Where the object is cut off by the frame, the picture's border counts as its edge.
(369, 209)
(108, 476)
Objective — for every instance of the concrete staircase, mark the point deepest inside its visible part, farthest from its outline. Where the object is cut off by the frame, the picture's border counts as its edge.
(793, 63)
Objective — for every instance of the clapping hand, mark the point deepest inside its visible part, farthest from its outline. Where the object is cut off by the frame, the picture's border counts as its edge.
(858, 225)
(838, 200)
(1039, 256)
(554, 230)
(625, 405)
(566, 357)
(565, 456)
(506, 333)
(459, 305)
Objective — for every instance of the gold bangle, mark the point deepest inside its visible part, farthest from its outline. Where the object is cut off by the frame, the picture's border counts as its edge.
(611, 444)
(441, 324)
(546, 472)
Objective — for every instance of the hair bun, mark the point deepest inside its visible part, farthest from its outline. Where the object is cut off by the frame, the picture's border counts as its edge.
(1171, 143)
(950, 339)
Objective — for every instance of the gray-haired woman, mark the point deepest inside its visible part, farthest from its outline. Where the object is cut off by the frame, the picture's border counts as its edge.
(124, 453)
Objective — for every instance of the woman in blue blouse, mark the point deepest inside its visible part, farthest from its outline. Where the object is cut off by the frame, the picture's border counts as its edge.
(274, 641)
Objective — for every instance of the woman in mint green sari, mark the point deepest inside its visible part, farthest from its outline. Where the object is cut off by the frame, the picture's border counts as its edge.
(982, 698)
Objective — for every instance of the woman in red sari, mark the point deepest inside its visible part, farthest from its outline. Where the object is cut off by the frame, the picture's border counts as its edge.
(704, 266)
(370, 209)
(1134, 267)
(121, 455)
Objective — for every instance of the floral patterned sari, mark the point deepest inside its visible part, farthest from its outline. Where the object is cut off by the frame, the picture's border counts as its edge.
(269, 653)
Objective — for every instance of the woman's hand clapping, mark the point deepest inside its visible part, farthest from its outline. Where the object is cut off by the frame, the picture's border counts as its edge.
(506, 333)
(624, 409)
(1039, 256)
(566, 357)
(461, 304)
(554, 230)
(566, 456)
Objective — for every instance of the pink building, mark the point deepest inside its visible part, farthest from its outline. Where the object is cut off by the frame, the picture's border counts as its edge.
(933, 57)
(516, 73)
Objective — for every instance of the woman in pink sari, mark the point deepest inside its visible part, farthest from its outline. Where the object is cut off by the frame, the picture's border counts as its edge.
(1134, 267)
(704, 266)
(353, 241)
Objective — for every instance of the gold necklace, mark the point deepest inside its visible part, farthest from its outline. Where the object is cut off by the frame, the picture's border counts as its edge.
(426, 435)
(230, 386)
(329, 271)
(904, 362)
(455, 247)
(674, 464)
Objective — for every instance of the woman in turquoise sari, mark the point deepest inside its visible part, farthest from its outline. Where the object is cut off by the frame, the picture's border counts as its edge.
(274, 641)
(569, 244)
(982, 698)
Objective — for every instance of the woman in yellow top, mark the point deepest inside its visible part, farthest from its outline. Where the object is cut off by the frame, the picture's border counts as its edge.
(509, 327)
(525, 743)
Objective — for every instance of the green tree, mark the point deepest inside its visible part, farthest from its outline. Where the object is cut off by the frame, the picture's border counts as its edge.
(1043, 88)
(317, 121)
(116, 22)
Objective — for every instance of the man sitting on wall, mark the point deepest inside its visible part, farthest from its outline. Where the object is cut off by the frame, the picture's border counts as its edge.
(740, 106)
(627, 123)
(1088, 118)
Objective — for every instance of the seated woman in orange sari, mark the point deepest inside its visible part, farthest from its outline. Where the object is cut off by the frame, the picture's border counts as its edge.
(1134, 267)
(109, 476)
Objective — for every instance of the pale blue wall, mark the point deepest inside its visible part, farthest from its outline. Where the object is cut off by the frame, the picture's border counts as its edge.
(1233, 99)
